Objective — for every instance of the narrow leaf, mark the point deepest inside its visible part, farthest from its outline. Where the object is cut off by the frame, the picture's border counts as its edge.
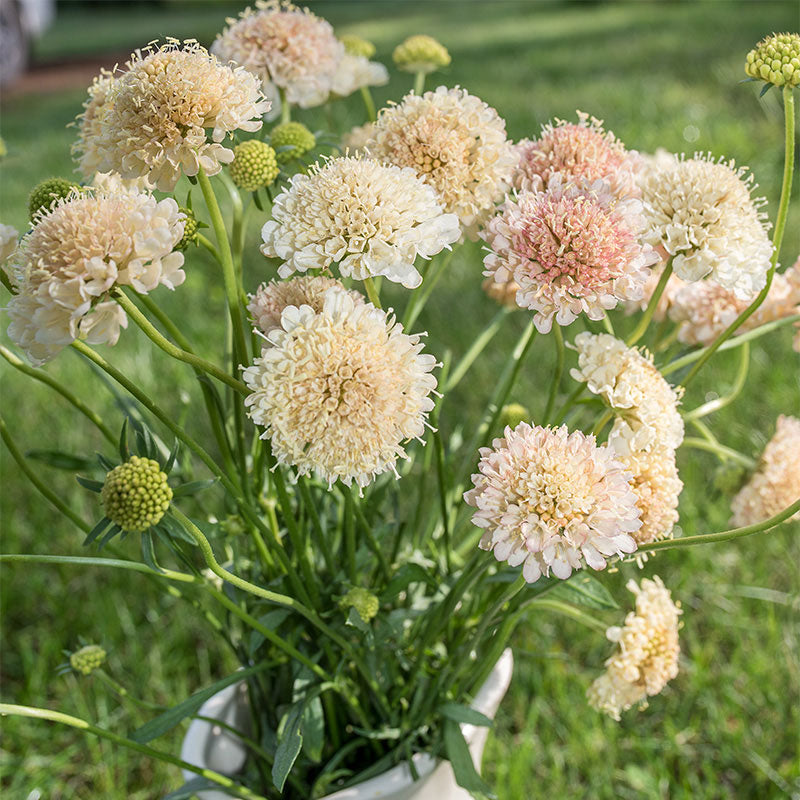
(584, 590)
(767, 87)
(257, 201)
(124, 453)
(149, 552)
(290, 740)
(60, 460)
(170, 463)
(88, 483)
(406, 575)
(460, 759)
(105, 463)
(96, 531)
(112, 532)
(191, 788)
(460, 713)
(192, 487)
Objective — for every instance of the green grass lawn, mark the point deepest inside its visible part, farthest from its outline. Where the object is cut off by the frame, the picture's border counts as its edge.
(660, 75)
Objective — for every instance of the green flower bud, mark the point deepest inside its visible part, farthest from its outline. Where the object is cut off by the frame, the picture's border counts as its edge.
(420, 54)
(48, 192)
(513, 414)
(254, 165)
(295, 134)
(87, 659)
(776, 60)
(357, 46)
(189, 230)
(136, 494)
(365, 603)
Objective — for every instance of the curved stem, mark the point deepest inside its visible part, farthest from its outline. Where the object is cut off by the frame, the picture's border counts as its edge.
(476, 348)
(75, 722)
(719, 450)
(777, 237)
(723, 536)
(205, 242)
(551, 399)
(639, 330)
(738, 384)
(41, 375)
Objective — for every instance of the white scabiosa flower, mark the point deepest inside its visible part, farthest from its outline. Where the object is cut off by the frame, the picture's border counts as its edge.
(356, 139)
(775, 485)
(629, 382)
(76, 253)
(455, 143)
(341, 390)
(355, 72)
(552, 501)
(702, 214)
(370, 218)
(153, 118)
(647, 655)
(9, 237)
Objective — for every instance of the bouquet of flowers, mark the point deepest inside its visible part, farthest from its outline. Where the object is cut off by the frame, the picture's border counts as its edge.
(364, 548)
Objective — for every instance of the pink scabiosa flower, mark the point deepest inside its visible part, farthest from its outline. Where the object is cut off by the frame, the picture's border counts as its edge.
(371, 218)
(341, 390)
(267, 304)
(648, 650)
(287, 48)
(775, 484)
(571, 250)
(552, 501)
(76, 253)
(580, 151)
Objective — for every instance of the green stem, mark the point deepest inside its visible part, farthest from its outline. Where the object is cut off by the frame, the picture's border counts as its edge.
(738, 384)
(554, 384)
(605, 418)
(777, 236)
(568, 403)
(369, 103)
(41, 375)
(476, 349)
(719, 450)
(205, 242)
(119, 689)
(723, 536)
(572, 612)
(286, 109)
(372, 292)
(419, 297)
(75, 722)
(419, 83)
(383, 564)
(442, 483)
(639, 330)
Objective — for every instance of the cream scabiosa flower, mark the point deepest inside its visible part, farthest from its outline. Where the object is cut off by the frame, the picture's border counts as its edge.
(455, 143)
(287, 48)
(775, 485)
(341, 390)
(76, 253)
(570, 249)
(373, 219)
(552, 501)
(154, 118)
(8, 241)
(355, 72)
(701, 213)
(648, 650)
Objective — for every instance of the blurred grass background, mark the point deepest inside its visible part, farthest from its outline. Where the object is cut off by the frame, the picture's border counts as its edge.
(660, 75)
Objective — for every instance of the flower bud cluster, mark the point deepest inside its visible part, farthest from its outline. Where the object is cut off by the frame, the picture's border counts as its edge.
(293, 134)
(776, 60)
(87, 659)
(48, 192)
(365, 603)
(421, 54)
(136, 494)
(254, 165)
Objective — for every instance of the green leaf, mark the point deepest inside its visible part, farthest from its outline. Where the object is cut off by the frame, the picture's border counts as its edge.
(176, 530)
(406, 575)
(149, 552)
(112, 532)
(354, 619)
(766, 88)
(312, 728)
(124, 453)
(257, 201)
(272, 620)
(159, 725)
(170, 462)
(105, 463)
(96, 531)
(61, 460)
(461, 713)
(460, 759)
(290, 740)
(88, 483)
(192, 487)
(584, 590)
(191, 788)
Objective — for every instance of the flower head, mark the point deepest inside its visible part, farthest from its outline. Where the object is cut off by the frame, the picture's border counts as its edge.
(775, 485)
(455, 143)
(287, 48)
(629, 382)
(254, 165)
(364, 602)
(91, 124)
(136, 494)
(357, 46)
(571, 250)
(88, 659)
(701, 213)
(267, 304)
(581, 151)
(776, 59)
(9, 237)
(648, 650)
(295, 139)
(552, 501)
(372, 219)
(47, 193)
(355, 72)
(354, 142)
(421, 53)
(503, 293)
(153, 118)
(341, 390)
(190, 229)
(76, 253)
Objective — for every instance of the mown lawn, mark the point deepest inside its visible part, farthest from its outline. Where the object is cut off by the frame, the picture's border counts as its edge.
(660, 75)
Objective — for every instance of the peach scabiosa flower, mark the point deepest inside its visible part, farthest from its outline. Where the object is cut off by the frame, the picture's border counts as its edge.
(370, 218)
(648, 651)
(571, 250)
(455, 143)
(552, 501)
(341, 390)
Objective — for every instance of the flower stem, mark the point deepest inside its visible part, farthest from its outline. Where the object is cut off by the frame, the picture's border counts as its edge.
(559, 369)
(476, 348)
(639, 330)
(738, 384)
(372, 292)
(572, 612)
(419, 83)
(286, 109)
(419, 297)
(719, 450)
(369, 103)
(777, 236)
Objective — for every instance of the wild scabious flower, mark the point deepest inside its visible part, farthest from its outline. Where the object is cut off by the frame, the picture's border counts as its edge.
(355, 72)
(267, 304)
(570, 249)
(154, 116)
(775, 485)
(373, 219)
(552, 501)
(703, 309)
(76, 253)
(339, 391)
(291, 140)
(136, 494)
(87, 659)
(455, 143)
(629, 382)
(96, 107)
(581, 151)
(776, 60)
(356, 139)
(648, 650)
(420, 53)
(701, 213)
(254, 165)
(287, 48)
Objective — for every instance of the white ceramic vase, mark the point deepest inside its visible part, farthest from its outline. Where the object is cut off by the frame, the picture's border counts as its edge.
(210, 746)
